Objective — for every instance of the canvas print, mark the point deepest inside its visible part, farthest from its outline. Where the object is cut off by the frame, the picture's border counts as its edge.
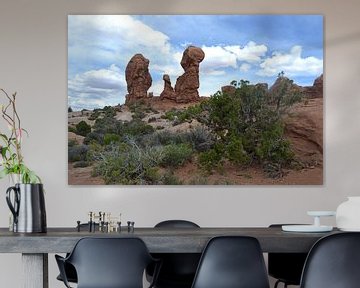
(195, 99)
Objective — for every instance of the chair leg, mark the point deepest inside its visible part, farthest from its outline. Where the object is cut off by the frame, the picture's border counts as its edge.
(278, 282)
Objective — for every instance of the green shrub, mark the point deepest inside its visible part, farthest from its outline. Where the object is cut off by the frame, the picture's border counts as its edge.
(170, 179)
(82, 128)
(176, 155)
(71, 129)
(77, 153)
(111, 138)
(212, 159)
(273, 147)
(235, 151)
(248, 126)
(201, 138)
(94, 137)
(128, 164)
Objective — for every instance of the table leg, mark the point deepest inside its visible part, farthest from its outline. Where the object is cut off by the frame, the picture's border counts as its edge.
(35, 270)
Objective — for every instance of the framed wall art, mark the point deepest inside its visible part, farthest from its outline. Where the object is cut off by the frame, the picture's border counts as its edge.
(195, 99)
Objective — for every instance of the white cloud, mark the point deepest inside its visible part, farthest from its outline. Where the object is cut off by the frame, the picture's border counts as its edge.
(97, 88)
(291, 63)
(115, 28)
(245, 67)
(251, 52)
(216, 59)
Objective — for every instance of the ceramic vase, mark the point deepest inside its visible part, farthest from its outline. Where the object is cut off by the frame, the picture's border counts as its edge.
(348, 214)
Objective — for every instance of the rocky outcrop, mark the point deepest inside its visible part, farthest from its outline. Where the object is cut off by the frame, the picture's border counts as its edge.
(304, 129)
(228, 89)
(138, 78)
(187, 85)
(284, 83)
(168, 92)
(315, 91)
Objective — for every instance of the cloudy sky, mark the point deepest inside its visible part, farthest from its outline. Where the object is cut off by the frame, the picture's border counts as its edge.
(249, 47)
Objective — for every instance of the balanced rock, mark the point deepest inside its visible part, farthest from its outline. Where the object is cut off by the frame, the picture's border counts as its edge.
(138, 78)
(168, 92)
(187, 85)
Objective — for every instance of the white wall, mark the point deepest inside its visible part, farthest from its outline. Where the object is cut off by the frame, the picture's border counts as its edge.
(33, 62)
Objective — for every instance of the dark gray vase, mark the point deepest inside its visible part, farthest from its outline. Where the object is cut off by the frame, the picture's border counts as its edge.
(27, 207)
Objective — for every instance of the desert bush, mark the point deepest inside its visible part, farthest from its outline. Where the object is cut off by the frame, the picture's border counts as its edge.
(273, 147)
(235, 151)
(247, 127)
(170, 179)
(181, 116)
(109, 111)
(81, 164)
(82, 128)
(94, 137)
(201, 138)
(77, 153)
(70, 109)
(176, 155)
(212, 159)
(163, 138)
(107, 125)
(136, 127)
(111, 138)
(71, 129)
(128, 164)
(72, 143)
(94, 115)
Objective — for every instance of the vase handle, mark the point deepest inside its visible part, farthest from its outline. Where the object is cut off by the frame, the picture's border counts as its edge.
(13, 208)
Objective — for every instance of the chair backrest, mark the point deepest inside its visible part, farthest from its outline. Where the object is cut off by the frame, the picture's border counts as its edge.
(333, 262)
(232, 262)
(178, 269)
(110, 262)
(176, 224)
(286, 267)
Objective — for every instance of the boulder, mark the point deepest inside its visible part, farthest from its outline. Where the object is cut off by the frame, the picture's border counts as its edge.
(168, 92)
(138, 78)
(187, 85)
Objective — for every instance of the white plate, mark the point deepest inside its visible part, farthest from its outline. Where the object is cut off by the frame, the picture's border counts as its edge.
(321, 213)
(306, 228)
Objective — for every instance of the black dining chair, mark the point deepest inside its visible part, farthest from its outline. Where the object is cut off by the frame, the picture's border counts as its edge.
(286, 267)
(333, 262)
(108, 263)
(178, 269)
(70, 271)
(232, 262)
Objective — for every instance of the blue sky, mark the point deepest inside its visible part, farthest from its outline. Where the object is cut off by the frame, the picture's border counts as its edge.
(249, 47)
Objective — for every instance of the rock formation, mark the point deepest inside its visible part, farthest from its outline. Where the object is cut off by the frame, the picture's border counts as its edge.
(228, 89)
(138, 78)
(168, 92)
(187, 85)
(304, 129)
(315, 91)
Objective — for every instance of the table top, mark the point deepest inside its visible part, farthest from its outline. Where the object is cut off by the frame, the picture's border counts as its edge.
(158, 240)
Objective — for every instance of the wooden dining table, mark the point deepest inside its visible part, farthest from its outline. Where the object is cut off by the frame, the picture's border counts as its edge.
(35, 247)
